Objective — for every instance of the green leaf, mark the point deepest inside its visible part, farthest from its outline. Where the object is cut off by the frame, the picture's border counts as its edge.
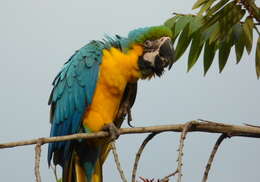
(224, 51)
(248, 30)
(195, 49)
(215, 33)
(198, 3)
(218, 16)
(257, 58)
(223, 21)
(205, 7)
(170, 22)
(216, 7)
(230, 19)
(183, 42)
(239, 40)
(181, 24)
(208, 32)
(195, 24)
(209, 53)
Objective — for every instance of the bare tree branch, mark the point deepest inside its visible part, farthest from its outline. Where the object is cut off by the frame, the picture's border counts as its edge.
(181, 146)
(166, 178)
(119, 168)
(37, 161)
(208, 127)
(212, 155)
(192, 126)
(138, 154)
(257, 126)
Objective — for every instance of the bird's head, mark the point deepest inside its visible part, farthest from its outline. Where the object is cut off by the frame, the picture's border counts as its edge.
(158, 52)
(157, 55)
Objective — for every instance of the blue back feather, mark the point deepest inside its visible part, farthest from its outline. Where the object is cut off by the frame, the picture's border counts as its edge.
(73, 90)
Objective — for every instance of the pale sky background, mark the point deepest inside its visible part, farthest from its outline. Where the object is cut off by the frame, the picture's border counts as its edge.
(37, 37)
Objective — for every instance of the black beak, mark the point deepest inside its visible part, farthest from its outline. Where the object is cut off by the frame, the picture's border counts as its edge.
(167, 53)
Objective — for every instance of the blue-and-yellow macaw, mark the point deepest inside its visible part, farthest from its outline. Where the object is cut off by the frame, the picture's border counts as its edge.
(96, 88)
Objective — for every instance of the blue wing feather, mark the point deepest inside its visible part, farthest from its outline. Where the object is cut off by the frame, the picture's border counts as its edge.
(74, 87)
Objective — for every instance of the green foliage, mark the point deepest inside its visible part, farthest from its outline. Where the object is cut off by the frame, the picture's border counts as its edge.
(218, 26)
(248, 29)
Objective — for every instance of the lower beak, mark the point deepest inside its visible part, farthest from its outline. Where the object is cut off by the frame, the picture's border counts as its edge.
(167, 53)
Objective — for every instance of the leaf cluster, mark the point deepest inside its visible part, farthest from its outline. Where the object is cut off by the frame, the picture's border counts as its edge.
(217, 27)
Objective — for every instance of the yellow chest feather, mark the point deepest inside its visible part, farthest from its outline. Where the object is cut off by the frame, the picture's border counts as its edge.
(116, 70)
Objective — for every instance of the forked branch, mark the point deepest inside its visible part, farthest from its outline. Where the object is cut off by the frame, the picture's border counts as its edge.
(197, 126)
(192, 126)
(37, 161)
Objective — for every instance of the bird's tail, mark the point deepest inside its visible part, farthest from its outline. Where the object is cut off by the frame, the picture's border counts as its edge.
(85, 165)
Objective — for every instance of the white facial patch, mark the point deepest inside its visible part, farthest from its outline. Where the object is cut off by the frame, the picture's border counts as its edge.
(150, 56)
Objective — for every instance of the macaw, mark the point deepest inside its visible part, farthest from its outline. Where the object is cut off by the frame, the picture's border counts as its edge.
(97, 88)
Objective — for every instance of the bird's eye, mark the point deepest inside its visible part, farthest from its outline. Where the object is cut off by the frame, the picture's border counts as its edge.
(148, 43)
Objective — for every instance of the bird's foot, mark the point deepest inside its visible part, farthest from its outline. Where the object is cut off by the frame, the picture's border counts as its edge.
(112, 130)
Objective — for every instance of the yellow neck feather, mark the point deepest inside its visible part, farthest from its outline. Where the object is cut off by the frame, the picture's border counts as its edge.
(116, 70)
(126, 63)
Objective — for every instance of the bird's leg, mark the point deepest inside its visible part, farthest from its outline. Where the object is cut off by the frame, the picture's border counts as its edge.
(112, 130)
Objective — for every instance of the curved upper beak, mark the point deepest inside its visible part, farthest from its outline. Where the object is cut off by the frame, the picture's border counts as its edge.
(166, 52)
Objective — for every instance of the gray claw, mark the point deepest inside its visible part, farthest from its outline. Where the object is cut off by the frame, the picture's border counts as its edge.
(112, 130)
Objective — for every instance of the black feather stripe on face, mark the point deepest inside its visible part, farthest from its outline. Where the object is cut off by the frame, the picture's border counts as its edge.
(148, 70)
(145, 67)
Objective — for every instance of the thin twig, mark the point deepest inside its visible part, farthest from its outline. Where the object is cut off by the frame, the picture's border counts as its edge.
(166, 178)
(181, 14)
(37, 161)
(211, 122)
(234, 130)
(119, 168)
(138, 154)
(257, 126)
(181, 146)
(212, 155)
